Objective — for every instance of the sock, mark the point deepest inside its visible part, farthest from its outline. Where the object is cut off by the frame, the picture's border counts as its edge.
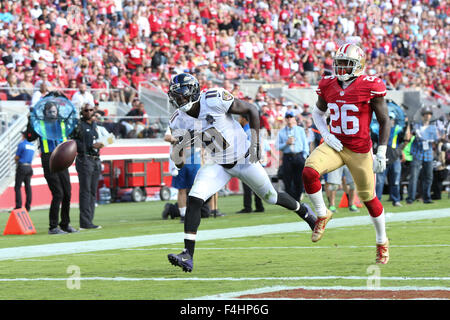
(182, 211)
(319, 204)
(193, 215)
(380, 228)
(308, 216)
(191, 223)
(189, 243)
(286, 201)
(376, 212)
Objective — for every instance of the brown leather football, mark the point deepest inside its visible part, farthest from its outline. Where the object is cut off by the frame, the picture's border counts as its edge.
(63, 156)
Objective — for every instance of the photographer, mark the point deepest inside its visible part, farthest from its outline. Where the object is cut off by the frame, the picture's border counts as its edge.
(440, 171)
(422, 151)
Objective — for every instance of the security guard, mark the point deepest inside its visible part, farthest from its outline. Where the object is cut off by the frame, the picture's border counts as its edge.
(24, 172)
(51, 128)
(88, 165)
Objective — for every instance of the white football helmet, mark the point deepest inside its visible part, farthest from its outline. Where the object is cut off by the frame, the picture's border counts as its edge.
(348, 62)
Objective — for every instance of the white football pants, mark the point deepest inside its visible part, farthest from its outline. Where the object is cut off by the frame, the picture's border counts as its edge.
(213, 177)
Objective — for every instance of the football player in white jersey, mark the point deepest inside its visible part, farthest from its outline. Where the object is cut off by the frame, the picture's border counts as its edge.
(206, 118)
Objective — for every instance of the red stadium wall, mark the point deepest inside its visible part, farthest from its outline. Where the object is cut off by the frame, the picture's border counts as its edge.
(122, 149)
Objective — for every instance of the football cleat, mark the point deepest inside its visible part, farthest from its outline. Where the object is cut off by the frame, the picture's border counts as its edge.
(319, 227)
(182, 260)
(306, 213)
(382, 253)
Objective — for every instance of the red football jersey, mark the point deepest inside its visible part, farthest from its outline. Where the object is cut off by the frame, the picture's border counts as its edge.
(350, 111)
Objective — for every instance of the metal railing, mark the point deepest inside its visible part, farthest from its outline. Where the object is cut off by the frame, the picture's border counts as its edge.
(9, 140)
(155, 100)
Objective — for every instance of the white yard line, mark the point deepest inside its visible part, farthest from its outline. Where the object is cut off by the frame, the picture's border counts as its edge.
(231, 279)
(294, 247)
(203, 235)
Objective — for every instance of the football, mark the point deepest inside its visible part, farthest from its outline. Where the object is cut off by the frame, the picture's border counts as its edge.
(63, 156)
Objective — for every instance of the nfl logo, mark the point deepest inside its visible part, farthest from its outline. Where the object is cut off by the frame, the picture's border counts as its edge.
(342, 93)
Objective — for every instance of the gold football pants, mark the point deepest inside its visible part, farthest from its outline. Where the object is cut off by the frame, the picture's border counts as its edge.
(325, 159)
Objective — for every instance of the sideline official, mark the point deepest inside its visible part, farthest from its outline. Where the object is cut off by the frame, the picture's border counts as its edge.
(293, 144)
(24, 172)
(52, 130)
(88, 165)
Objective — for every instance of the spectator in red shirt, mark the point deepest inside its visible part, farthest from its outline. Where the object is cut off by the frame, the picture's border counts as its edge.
(394, 77)
(100, 88)
(205, 13)
(155, 20)
(138, 77)
(42, 35)
(119, 83)
(134, 55)
(133, 28)
(431, 56)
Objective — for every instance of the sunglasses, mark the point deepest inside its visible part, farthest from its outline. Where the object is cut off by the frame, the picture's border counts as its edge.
(88, 110)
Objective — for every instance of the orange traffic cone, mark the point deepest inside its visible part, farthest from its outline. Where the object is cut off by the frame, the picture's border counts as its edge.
(19, 222)
(344, 201)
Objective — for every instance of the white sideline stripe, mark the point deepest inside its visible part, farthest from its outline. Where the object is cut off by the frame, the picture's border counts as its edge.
(233, 279)
(234, 295)
(203, 235)
(295, 247)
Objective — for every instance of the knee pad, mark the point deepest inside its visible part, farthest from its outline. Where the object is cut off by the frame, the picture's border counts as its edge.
(374, 206)
(311, 180)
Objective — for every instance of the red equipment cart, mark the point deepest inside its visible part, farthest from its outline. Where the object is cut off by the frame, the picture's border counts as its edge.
(138, 176)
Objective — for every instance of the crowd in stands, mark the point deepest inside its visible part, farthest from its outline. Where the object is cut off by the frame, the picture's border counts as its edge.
(113, 45)
(109, 47)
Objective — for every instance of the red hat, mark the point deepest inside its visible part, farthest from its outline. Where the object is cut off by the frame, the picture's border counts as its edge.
(41, 21)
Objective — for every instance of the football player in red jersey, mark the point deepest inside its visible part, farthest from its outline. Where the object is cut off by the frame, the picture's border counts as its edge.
(351, 98)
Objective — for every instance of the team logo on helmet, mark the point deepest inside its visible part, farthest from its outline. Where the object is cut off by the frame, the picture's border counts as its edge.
(349, 62)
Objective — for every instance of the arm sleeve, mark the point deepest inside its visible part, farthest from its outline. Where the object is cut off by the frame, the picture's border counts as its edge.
(320, 121)
(305, 143)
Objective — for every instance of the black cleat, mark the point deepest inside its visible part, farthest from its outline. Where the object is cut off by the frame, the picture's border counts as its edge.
(182, 260)
(306, 213)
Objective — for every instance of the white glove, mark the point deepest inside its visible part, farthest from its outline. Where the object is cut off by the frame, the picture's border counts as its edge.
(332, 141)
(255, 153)
(379, 161)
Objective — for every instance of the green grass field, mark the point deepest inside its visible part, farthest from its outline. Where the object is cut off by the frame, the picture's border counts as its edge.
(420, 251)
